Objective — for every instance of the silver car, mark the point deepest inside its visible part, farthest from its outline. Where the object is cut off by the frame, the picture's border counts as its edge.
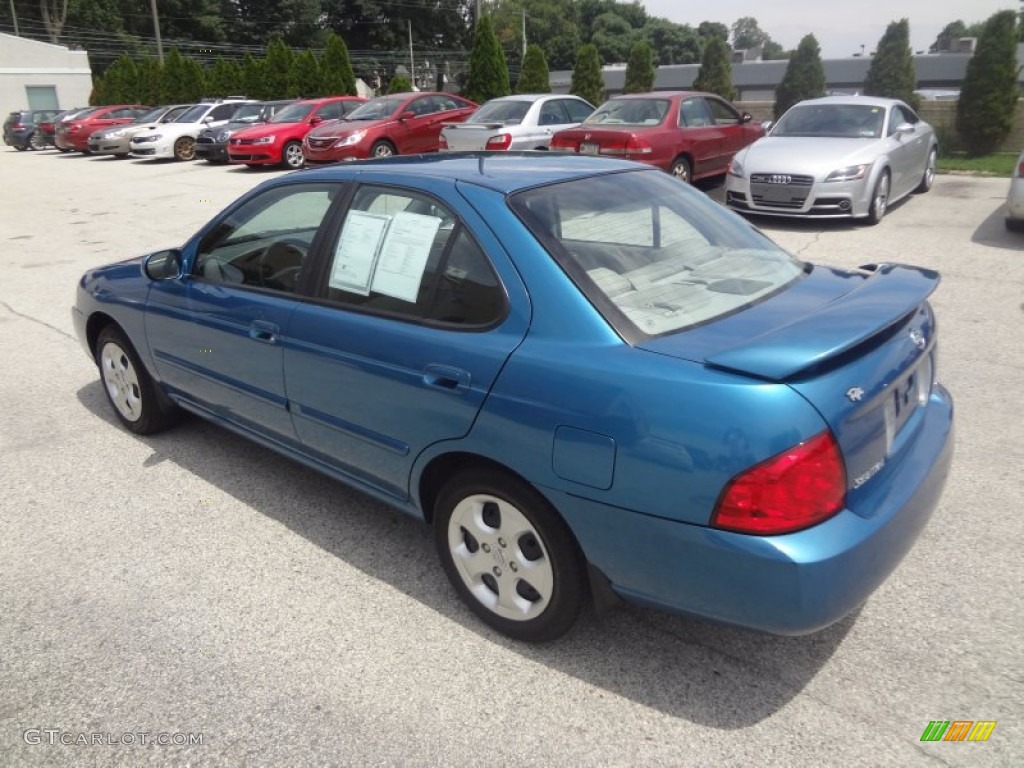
(1015, 198)
(115, 141)
(835, 157)
(523, 121)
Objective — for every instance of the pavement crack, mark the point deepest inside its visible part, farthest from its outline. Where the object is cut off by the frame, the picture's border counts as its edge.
(817, 237)
(36, 320)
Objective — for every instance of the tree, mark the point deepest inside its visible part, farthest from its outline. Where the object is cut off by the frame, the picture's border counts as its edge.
(399, 84)
(988, 97)
(747, 34)
(150, 77)
(612, 35)
(120, 83)
(715, 74)
(339, 79)
(587, 82)
(224, 78)
(804, 78)
(488, 72)
(639, 69)
(305, 80)
(891, 73)
(194, 86)
(174, 85)
(672, 43)
(710, 29)
(534, 76)
(948, 36)
(277, 67)
(252, 76)
(554, 26)
(55, 14)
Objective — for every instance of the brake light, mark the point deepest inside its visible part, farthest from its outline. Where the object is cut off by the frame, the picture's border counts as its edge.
(561, 142)
(17, 127)
(501, 141)
(633, 145)
(792, 490)
(442, 142)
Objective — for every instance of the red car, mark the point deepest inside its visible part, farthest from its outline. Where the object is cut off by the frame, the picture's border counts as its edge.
(279, 140)
(74, 135)
(689, 134)
(396, 124)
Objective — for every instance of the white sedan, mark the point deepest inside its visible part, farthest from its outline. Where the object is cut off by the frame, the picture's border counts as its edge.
(523, 121)
(1015, 198)
(835, 157)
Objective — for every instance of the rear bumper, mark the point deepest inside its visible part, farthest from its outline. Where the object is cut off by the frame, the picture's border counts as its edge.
(787, 585)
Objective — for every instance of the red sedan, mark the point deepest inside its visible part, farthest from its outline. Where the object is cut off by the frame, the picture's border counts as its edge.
(689, 134)
(74, 135)
(279, 140)
(396, 124)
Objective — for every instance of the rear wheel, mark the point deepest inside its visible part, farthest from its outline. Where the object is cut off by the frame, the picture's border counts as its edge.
(130, 389)
(185, 148)
(928, 178)
(509, 555)
(383, 148)
(879, 199)
(681, 169)
(1015, 225)
(21, 147)
(291, 156)
(36, 141)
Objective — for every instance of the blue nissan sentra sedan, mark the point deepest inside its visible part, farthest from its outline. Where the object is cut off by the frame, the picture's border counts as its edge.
(581, 372)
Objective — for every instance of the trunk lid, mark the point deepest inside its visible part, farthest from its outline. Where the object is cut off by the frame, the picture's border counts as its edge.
(470, 136)
(858, 346)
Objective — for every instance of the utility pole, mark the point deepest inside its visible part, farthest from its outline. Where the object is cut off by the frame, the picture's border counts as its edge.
(14, 15)
(412, 62)
(156, 32)
(524, 33)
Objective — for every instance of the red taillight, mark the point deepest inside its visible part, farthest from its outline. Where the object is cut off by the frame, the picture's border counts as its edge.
(638, 146)
(442, 142)
(795, 489)
(501, 141)
(560, 142)
(1020, 168)
(18, 127)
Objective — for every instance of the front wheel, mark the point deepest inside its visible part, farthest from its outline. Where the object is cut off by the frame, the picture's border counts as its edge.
(383, 149)
(185, 148)
(509, 555)
(879, 199)
(928, 178)
(292, 157)
(129, 387)
(681, 169)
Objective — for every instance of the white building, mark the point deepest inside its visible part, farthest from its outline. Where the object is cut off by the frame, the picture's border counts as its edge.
(35, 75)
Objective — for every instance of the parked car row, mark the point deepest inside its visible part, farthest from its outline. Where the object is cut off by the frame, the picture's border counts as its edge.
(834, 157)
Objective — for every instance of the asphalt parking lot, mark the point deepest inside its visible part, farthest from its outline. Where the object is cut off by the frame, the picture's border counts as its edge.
(193, 584)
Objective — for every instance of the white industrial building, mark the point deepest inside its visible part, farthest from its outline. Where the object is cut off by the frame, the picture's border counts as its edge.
(35, 75)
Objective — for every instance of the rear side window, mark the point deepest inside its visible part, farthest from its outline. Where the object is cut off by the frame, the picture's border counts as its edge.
(405, 254)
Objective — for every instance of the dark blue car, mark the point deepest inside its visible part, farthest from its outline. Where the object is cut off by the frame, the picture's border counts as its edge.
(583, 373)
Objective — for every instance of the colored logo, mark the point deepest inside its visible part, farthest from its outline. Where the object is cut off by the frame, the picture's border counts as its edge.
(958, 730)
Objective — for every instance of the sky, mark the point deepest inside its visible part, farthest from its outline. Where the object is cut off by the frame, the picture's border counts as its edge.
(841, 28)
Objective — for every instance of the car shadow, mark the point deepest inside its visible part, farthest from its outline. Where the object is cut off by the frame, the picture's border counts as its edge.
(993, 232)
(706, 673)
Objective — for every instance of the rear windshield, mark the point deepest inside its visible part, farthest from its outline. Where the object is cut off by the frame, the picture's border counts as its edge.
(501, 112)
(630, 112)
(652, 255)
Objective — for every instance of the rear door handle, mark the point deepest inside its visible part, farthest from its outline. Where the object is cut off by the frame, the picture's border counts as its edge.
(446, 378)
(261, 330)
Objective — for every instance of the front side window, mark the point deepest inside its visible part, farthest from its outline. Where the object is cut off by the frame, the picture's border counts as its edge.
(650, 259)
(293, 113)
(264, 243)
(403, 253)
(722, 112)
(578, 109)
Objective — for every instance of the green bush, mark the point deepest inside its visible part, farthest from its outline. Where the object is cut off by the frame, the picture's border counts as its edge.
(639, 69)
(587, 82)
(715, 74)
(534, 76)
(891, 73)
(804, 78)
(488, 72)
(988, 96)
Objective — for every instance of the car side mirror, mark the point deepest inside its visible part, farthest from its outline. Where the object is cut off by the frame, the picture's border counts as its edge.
(767, 125)
(407, 115)
(905, 129)
(315, 120)
(163, 265)
(746, 117)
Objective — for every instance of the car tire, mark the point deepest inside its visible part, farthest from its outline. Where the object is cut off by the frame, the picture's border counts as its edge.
(63, 149)
(20, 147)
(929, 172)
(292, 157)
(509, 555)
(36, 141)
(131, 391)
(879, 199)
(1015, 225)
(185, 148)
(383, 148)
(681, 170)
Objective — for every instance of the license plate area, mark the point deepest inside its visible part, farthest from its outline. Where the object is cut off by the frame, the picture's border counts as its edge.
(589, 148)
(904, 398)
